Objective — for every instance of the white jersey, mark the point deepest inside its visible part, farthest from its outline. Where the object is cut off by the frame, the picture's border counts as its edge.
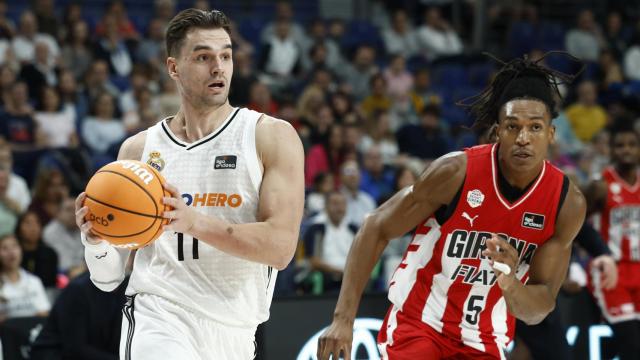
(220, 176)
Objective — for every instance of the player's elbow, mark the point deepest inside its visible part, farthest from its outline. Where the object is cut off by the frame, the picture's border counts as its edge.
(541, 314)
(282, 262)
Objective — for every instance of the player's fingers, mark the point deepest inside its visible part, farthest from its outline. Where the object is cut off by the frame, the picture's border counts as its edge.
(80, 214)
(346, 352)
(86, 227)
(172, 189)
(80, 200)
(171, 201)
(170, 215)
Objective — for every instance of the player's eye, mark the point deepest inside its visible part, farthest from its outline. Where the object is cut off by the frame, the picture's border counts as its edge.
(202, 57)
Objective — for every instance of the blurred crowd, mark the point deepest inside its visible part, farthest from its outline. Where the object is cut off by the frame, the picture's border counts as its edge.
(373, 100)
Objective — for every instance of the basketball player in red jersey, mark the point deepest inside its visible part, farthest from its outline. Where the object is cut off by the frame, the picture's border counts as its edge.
(617, 198)
(493, 203)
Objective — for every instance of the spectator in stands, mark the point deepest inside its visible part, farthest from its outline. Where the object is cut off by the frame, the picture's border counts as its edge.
(84, 323)
(71, 15)
(341, 104)
(152, 48)
(17, 123)
(9, 209)
(56, 121)
(436, 38)
(37, 258)
(145, 115)
(101, 129)
(70, 95)
(24, 42)
(586, 40)
(281, 55)
(76, 52)
(426, 140)
(321, 127)
(566, 139)
(243, 78)
(40, 73)
(352, 137)
(97, 81)
(21, 293)
(7, 78)
(610, 70)
(17, 190)
(422, 88)
(164, 10)
(117, 12)
(632, 59)
(46, 17)
(169, 99)
(616, 36)
(378, 100)
(111, 47)
(327, 242)
(7, 26)
(320, 42)
(586, 116)
(260, 99)
(49, 190)
(359, 203)
(378, 133)
(323, 184)
(63, 236)
(129, 100)
(377, 180)
(326, 156)
(400, 39)
(284, 15)
(399, 81)
(359, 73)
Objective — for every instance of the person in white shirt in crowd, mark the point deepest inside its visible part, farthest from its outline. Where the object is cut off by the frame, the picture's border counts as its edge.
(632, 59)
(281, 57)
(101, 129)
(586, 40)
(24, 42)
(18, 190)
(436, 38)
(21, 293)
(284, 13)
(62, 234)
(57, 122)
(359, 203)
(327, 241)
(400, 39)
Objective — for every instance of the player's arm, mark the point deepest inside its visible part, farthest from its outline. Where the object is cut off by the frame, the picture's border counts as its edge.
(437, 186)
(596, 195)
(273, 238)
(532, 302)
(106, 263)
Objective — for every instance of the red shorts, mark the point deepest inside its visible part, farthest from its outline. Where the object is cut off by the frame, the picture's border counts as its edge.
(416, 340)
(621, 303)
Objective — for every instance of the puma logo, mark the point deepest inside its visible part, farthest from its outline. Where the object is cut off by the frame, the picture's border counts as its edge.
(468, 217)
(101, 256)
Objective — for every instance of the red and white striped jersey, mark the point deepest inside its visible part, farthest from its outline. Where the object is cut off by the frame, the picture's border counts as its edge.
(620, 219)
(445, 282)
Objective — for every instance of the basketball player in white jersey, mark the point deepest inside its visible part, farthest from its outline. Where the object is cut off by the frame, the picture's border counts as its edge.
(237, 189)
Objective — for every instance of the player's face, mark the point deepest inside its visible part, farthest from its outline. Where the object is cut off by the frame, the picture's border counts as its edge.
(524, 134)
(203, 67)
(625, 149)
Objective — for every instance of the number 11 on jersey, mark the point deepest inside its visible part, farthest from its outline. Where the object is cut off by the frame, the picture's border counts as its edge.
(194, 248)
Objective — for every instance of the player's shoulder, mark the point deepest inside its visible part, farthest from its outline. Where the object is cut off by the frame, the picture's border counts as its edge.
(446, 172)
(271, 125)
(451, 164)
(272, 132)
(574, 206)
(133, 147)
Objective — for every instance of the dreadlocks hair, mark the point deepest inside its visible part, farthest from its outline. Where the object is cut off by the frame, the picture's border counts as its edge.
(519, 78)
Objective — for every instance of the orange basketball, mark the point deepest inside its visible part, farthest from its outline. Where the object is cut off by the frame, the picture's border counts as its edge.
(125, 203)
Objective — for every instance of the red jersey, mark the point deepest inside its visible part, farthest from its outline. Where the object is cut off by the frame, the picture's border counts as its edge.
(445, 282)
(620, 219)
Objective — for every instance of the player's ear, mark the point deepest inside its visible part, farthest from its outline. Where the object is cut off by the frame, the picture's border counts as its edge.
(552, 134)
(172, 68)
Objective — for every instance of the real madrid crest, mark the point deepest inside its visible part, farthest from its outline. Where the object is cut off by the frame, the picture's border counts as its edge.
(155, 161)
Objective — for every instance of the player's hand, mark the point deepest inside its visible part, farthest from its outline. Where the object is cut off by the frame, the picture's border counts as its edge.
(336, 341)
(608, 269)
(85, 226)
(499, 250)
(182, 218)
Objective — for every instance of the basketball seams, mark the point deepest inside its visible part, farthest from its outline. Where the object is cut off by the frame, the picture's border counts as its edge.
(155, 205)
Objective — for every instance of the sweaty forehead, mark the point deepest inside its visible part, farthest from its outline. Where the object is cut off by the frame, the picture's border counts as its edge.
(216, 39)
(524, 108)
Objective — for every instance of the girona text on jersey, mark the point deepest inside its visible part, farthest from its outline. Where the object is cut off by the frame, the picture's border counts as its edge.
(465, 244)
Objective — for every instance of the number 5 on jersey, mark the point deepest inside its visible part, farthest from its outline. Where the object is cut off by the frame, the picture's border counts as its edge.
(194, 248)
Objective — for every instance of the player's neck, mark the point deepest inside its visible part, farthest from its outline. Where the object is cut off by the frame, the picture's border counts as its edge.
(628, 173)
(192, 124)
(518, 179)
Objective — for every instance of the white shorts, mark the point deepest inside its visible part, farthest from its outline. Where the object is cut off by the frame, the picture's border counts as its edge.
(156, 328)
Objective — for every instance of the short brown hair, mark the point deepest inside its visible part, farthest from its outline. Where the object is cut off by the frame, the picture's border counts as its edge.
(189, 19)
